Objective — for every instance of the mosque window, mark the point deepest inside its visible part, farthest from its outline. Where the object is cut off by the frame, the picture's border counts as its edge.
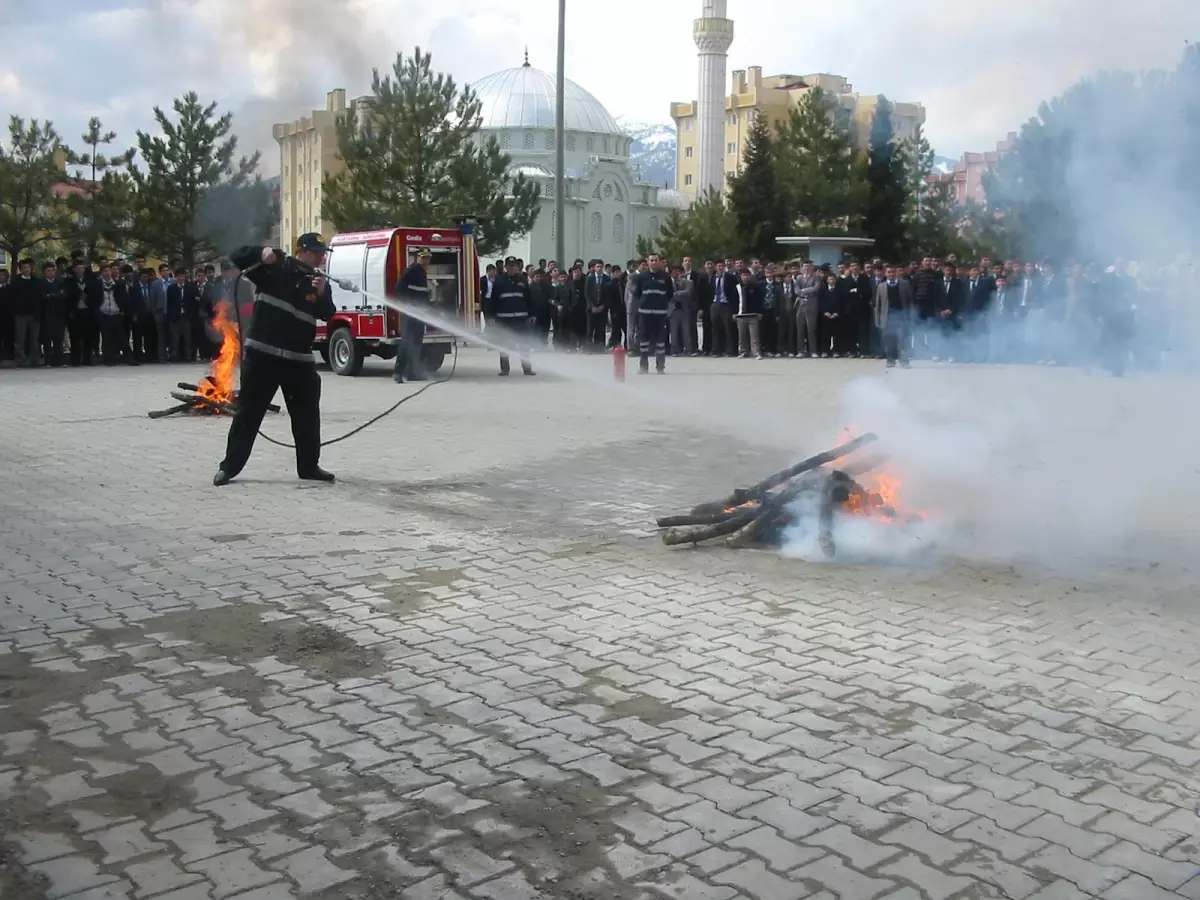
(553, 225)
(608, 191)
(596, 193)
(529, 140)
(505, 140)
(571, 143)
(597, 228)
(550, 140)
(618, 228)
(548, 190)
(591, 143)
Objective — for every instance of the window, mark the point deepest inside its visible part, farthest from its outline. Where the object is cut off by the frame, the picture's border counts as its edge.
(731, 148)
(597, 228)
(750, 114)
(606, 145)
(654, 226)
(553, 225)
(732, 118)
(346, 263)
(549, 189)
(505, 140)
(3, 258)
(618, 229)
(376, 280)
(596, 193)
(687, 153)
(608, 191)
(529, 140)
(571, 143)
(687, 179)
(550, 140)
(591, 143)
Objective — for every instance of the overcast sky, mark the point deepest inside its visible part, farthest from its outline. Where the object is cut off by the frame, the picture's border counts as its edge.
(980, 68)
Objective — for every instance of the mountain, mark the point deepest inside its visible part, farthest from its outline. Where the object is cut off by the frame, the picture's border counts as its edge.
(653, 150)
(944, 165)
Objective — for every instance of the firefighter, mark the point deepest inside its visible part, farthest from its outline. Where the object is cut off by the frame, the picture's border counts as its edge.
(412, 288)
(291, 298)
(653, 290)
(508, 312)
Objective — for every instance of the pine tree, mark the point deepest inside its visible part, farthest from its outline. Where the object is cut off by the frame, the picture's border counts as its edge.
(31, 211)
(819, 171)
(102, 193)
(414, 156)
(919, 159)
(755, 200)
(886, 195)
(180, 171)
(706, 230)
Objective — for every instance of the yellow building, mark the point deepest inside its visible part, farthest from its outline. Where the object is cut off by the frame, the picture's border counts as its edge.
(308, 149)
(751, 94)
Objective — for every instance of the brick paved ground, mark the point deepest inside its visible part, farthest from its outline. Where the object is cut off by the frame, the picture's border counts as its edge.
(469, 669)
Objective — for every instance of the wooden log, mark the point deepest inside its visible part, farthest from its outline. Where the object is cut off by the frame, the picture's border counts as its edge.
(699, 534)
(198, 400)
(690, 519)
(772, 508)
(742, 495)
(183, 385)
(163, 413)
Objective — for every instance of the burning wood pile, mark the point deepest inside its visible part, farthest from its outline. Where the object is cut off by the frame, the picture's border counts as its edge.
(761, 515)
(215, 394)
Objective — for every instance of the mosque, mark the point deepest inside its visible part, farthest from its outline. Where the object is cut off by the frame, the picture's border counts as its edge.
(606, 205)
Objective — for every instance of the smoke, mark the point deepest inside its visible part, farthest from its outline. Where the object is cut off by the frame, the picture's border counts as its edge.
(294, 51)
(1066, 467)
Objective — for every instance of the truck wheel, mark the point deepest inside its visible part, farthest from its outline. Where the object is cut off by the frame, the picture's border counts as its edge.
(432, 357)
(345, 355)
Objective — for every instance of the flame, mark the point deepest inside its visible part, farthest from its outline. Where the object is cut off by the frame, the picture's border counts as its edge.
(219, 383)
(880, 497)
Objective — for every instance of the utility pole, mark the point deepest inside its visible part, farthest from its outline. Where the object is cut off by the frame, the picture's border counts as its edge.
(560, 180)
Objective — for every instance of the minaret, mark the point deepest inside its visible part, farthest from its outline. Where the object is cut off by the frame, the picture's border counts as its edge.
(713, 33)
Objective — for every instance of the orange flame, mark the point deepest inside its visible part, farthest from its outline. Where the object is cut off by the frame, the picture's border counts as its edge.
(880, 498)
(219, 383)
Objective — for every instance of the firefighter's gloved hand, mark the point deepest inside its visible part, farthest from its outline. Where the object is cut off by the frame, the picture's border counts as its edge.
(346, 285)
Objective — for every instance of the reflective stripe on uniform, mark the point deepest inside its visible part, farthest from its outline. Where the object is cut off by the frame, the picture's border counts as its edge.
(512, 315)
(513, 294)
(652, 312)
(286, 307)
(416, 287)
(252, 344)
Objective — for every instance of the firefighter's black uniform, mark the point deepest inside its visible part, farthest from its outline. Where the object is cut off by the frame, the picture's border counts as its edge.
(279, 356)
(412, 288)
(509, 309)
(654, 290)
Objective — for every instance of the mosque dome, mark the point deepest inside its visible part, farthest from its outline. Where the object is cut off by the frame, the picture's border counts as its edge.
(669, 198)
(524, 98)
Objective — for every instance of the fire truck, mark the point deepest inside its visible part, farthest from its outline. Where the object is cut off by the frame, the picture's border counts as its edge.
(375, 261)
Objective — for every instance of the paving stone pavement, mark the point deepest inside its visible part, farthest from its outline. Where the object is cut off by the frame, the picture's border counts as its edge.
(470, 669)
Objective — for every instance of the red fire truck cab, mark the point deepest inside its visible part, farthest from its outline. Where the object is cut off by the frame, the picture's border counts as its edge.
(374, 260)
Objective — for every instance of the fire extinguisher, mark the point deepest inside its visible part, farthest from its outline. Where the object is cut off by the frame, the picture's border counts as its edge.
(619, 355)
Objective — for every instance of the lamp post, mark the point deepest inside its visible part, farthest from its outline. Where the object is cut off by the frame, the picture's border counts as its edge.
(560, 206)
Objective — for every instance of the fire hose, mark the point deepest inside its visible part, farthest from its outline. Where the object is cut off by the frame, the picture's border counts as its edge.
(350, 287)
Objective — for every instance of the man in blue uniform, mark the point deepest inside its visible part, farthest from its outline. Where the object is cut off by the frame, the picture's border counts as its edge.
(412, 288)
(508, 313)
(291, 297)
(653, 290)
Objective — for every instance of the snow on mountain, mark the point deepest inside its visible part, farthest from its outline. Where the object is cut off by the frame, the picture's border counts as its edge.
(944, 165)
(653, 150)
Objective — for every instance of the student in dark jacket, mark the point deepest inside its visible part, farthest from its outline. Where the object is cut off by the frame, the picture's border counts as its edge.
(6, 315)
(612, 294)
(952, 303)
(52, 302)
(27, 319)
(748, 305)
(595, 310)
(181, 312)
(81, 318)
(108, 299)
(831, 313)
